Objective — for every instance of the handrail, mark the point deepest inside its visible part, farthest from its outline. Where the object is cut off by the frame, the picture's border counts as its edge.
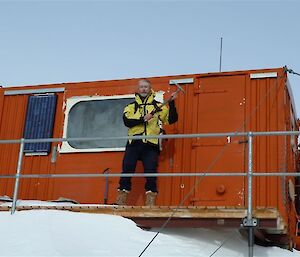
(161, 174)
(170, 136)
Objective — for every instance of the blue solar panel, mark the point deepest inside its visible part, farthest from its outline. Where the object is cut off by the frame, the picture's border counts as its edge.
(39, 122)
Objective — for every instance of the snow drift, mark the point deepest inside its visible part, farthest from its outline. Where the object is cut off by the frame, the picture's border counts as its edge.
(64, 233)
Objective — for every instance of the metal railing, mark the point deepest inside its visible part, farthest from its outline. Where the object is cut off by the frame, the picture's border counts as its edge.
(248, 222)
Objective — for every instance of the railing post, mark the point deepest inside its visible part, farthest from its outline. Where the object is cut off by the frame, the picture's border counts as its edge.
(19, 167)
(249, 208)
(250, 154)
(249, 222)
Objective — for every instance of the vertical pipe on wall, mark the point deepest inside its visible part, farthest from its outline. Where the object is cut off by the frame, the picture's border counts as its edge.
(19, 167)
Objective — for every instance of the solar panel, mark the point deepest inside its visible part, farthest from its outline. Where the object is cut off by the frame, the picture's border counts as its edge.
(39, 122)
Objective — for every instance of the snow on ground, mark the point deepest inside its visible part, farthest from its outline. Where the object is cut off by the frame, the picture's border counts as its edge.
(65, 233)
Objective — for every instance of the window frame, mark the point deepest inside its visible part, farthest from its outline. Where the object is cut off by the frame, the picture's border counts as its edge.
(65, 147)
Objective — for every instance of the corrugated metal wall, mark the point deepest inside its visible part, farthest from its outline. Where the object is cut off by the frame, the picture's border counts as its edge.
(12, 127)
(12, 120)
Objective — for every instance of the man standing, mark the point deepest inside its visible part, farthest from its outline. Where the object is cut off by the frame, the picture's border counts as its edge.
(142, 117)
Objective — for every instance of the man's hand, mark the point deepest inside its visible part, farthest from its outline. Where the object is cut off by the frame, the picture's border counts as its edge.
(148, 117)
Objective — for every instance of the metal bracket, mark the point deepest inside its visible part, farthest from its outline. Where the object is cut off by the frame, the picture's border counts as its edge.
(54, 154)
(181, 81)
(250, 223)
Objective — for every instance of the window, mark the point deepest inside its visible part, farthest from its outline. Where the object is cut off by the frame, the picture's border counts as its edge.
(95, 117)
(39, 122)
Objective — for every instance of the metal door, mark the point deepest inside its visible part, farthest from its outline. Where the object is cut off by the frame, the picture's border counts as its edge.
(219, 106)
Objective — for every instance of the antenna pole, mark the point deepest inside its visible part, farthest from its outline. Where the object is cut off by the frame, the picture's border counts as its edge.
(220, 67)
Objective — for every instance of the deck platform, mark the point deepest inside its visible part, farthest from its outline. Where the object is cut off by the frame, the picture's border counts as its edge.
(192, 216)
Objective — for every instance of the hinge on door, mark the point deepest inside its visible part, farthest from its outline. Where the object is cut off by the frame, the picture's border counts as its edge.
(194, 199)
(202, 142)
(202, 91)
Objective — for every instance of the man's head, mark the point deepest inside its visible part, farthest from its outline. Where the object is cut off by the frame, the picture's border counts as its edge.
(144, 87)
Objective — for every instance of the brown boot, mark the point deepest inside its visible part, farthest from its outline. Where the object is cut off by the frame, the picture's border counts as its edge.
(150, 198)
(122, 197)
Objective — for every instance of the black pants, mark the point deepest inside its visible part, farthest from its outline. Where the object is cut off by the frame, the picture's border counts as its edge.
(148, 154)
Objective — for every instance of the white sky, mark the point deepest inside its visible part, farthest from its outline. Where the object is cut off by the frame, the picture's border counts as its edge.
(44, 42)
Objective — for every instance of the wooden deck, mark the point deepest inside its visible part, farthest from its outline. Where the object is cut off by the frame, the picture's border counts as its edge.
(192, 216)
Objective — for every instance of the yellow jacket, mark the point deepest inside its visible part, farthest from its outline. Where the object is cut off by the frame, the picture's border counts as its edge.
(134, 117)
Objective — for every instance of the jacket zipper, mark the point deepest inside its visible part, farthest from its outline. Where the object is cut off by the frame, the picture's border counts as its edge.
(145, 123)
